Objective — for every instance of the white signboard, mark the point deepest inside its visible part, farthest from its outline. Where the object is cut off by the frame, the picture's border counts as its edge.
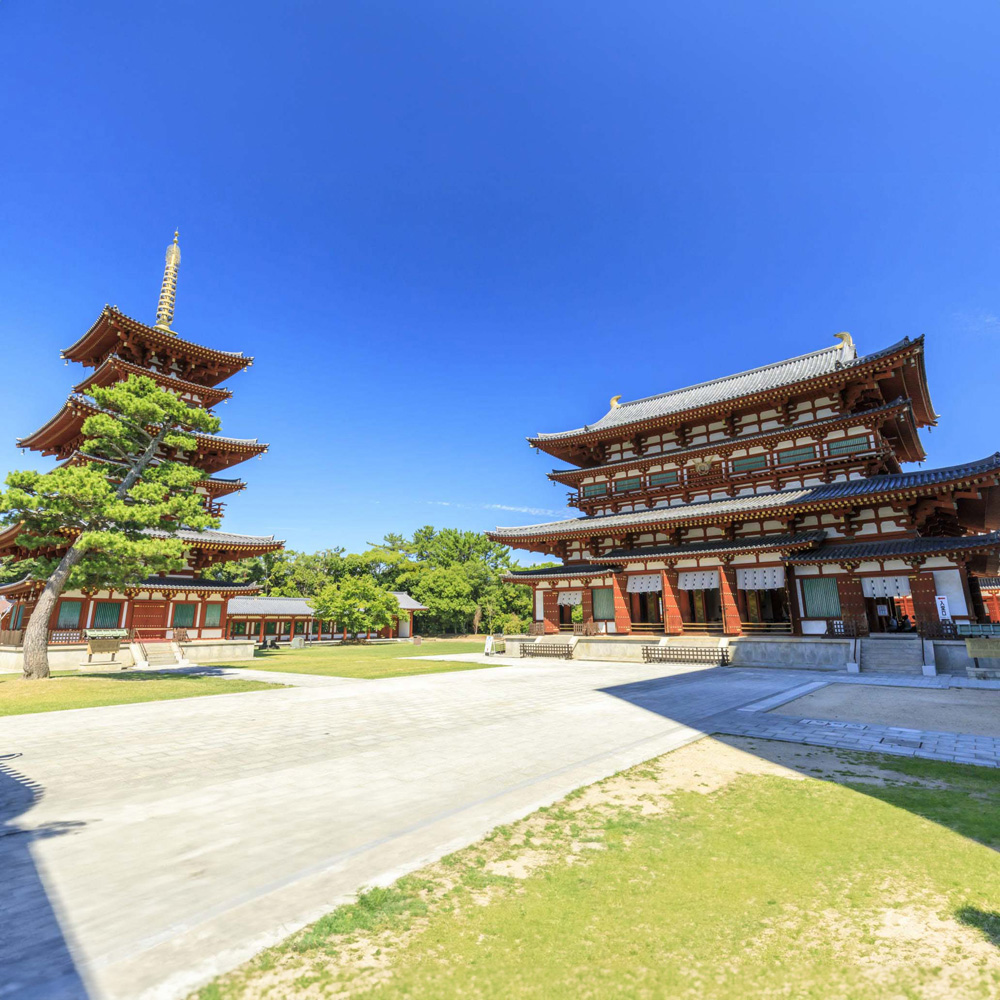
(944, 612)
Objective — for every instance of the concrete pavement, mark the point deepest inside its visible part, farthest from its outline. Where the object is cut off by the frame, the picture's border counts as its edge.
(146, 848)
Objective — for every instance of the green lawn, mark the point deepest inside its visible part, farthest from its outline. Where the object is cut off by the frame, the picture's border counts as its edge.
(761, 885)
(367, 662)
(20, 697)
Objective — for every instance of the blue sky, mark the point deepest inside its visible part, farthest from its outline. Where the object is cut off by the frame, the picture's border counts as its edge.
(442, 226)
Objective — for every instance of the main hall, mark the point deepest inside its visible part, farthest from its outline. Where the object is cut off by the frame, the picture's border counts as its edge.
(775, 501)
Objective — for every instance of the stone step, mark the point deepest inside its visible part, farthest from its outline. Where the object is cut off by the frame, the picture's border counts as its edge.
(891, 656)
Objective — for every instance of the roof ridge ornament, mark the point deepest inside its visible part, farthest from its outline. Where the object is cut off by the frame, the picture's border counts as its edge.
(615, 402)
(168, 289)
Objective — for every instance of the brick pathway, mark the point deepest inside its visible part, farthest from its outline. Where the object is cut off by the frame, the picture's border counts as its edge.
(956, 747)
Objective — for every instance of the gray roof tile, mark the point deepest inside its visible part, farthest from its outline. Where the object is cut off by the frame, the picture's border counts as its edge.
(748, 383)
(761, 501)
(894, 548)
(722, 545)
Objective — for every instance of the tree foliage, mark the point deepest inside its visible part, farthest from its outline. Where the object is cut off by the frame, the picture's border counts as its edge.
(107, 522)
(454, 573)
(358, 604)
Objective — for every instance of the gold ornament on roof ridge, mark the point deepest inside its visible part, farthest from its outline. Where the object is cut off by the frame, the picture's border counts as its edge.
(168, 290)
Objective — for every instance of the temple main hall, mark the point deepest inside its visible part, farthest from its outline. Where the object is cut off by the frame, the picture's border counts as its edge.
(782, 501)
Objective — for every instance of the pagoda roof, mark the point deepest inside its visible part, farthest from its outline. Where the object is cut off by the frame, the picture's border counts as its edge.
(115, 333)
(63, 434)
(831, 496)
(115, 369)
(716, 396)
(899, 408)
(299, 606)
(216, 546)
(722, 546)
(214, 485)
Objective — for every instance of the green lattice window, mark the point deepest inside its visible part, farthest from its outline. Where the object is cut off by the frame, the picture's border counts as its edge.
(604, 604)
(819, 594)
(595, 489)
(69, 614)
(107, 614)
(184, 615)
(663, 478)
(848, 445)
(749, 463)
(626, 485)
(791, 456)
(213, 615)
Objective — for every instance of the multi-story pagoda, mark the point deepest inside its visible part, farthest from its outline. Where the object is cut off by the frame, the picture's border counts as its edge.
(186, 605)
(769, 501)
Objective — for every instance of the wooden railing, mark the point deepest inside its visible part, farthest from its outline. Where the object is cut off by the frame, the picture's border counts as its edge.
(705, 628)
(648, 628)
(766, 628)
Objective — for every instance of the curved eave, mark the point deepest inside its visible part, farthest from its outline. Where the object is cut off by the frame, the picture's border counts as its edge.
(114, 369)
(562, 445)
(60, 436)
(221, 487)
(103, 337)
(902, 549)
(898, 410)
(729, 510)
(729, 547)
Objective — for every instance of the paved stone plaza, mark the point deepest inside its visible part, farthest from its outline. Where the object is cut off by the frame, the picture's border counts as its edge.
(147, 847)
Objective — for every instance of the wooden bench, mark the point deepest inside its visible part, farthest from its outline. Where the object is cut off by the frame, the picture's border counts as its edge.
(558, 650)
(682, 653)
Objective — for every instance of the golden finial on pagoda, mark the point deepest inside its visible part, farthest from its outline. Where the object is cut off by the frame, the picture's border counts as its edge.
(615, 402)
(168, 290)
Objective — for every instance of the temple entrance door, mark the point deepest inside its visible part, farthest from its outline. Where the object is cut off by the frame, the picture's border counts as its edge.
(150, 617)
(883, 615)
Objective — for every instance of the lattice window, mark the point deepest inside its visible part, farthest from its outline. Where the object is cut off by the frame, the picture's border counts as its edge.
(604, 604)
(184, 615)
(846, 446)
(595, 489)
(69, 614)
(792, 455)
(626, 485)
(819, 594)
(663, 478)
(749, 463)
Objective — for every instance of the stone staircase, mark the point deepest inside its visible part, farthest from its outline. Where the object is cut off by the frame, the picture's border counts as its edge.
(161, 654)
(891, 655)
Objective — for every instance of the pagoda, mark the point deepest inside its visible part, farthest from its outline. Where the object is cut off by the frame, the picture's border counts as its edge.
(187, 606)
(770, 502)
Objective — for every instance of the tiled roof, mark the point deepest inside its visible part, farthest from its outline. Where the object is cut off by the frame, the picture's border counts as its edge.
(300, 605)
(720, 546)
(220, 537)
(407, 603)
(581, 570)
(846, 489)
(789, 431)
(893, 549)
(991, 582)
(757, 380)
(194, 583)
(270, 606)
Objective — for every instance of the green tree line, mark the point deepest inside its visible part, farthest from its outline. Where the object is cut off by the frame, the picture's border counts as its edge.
(456, 574)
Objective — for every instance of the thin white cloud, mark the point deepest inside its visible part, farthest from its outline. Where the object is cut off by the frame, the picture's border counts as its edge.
(495, 506)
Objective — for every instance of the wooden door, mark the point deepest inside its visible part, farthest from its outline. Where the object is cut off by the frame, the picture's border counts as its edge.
(151, 618)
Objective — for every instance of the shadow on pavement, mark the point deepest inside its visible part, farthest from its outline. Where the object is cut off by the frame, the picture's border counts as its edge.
(35, 960)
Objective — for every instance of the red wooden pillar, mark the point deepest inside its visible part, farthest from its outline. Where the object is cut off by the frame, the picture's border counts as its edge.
(587, 604)
(731, 623)
(852, 601)
(550, 610)
(672, 617)
(623, 620)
